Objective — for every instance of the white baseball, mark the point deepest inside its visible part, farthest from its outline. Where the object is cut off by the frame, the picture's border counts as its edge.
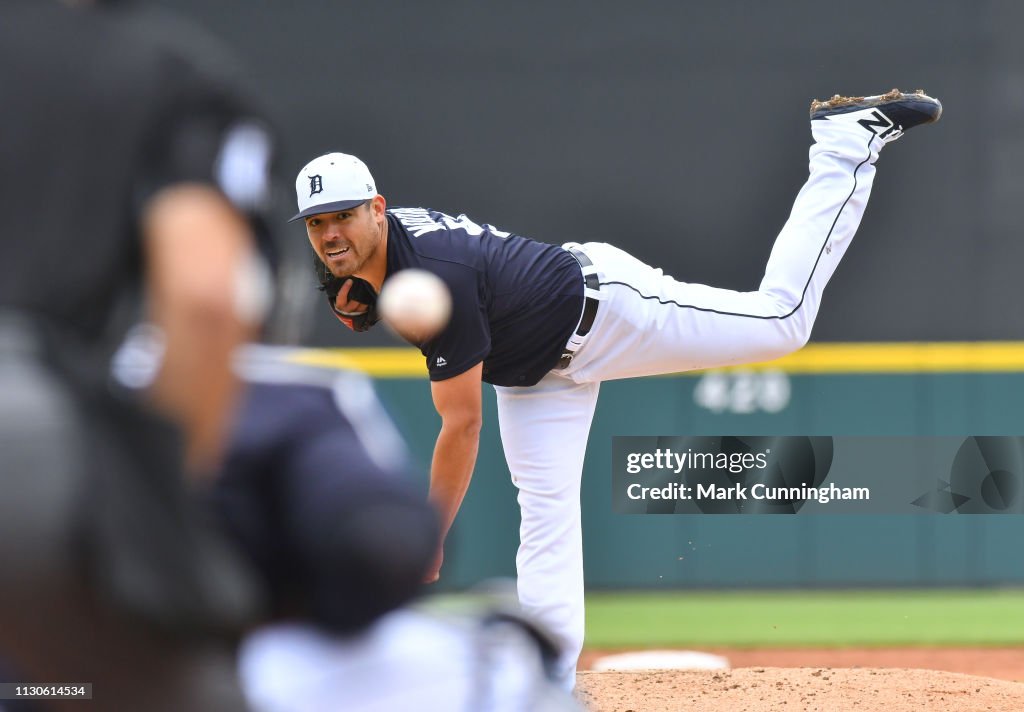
(415, 303)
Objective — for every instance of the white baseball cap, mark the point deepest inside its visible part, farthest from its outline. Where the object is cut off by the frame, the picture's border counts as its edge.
(332, 182)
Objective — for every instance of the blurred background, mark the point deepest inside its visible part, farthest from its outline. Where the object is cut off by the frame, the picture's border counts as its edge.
(679, 132)
(674, 130)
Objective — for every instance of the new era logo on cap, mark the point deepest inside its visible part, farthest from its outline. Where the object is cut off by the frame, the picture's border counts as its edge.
(332, 182)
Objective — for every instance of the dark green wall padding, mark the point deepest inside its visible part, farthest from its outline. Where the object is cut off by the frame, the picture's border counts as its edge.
(706, 551)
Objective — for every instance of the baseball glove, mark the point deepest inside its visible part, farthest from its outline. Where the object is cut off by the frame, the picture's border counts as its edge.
(361, 291)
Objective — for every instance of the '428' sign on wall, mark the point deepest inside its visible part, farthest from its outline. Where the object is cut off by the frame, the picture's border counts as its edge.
(743, 391)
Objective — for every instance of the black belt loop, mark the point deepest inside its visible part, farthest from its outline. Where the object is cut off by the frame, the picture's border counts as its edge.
(590, 304)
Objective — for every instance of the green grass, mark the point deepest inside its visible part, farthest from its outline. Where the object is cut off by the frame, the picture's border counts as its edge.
(806, 619)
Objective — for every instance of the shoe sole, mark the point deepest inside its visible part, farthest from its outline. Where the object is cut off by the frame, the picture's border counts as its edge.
(846, 104)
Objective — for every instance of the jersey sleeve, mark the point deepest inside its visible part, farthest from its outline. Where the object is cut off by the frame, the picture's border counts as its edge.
(467, 339)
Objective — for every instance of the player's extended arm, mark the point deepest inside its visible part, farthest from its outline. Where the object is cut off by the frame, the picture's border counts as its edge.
(458, 402)
(197, 245)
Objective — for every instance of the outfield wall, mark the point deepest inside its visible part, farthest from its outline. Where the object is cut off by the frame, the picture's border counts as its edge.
(812, 393)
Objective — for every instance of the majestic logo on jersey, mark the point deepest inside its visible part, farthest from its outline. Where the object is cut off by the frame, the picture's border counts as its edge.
(879, 120)
(441, 361)
(316, 185)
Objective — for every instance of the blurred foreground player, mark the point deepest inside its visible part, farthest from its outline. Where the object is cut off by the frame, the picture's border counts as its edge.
(316, 490)
(125, 164)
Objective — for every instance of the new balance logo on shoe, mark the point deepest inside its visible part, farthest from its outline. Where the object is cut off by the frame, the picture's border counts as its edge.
(441, 361)
(878, 120)
(887, 115)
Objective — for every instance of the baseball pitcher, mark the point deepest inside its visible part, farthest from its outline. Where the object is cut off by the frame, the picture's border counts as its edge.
(546, 324)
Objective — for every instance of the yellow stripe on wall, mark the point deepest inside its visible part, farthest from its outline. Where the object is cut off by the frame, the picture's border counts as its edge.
(920, 357)
(825, 358)
(399, 362)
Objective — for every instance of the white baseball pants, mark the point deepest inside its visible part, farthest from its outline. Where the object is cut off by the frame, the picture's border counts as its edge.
(648, 323)
(407, 660)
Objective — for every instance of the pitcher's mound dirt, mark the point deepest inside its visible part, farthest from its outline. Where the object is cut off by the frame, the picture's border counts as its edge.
(797, 690)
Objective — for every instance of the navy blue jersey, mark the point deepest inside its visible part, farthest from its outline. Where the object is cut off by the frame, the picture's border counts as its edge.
(515, 301)
(316, 492)
(316, 488)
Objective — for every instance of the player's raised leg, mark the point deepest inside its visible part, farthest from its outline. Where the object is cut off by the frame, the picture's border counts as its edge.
(544, 431)
(650, 323)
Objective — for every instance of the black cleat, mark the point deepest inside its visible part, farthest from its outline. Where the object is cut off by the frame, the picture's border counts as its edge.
(887, 116)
